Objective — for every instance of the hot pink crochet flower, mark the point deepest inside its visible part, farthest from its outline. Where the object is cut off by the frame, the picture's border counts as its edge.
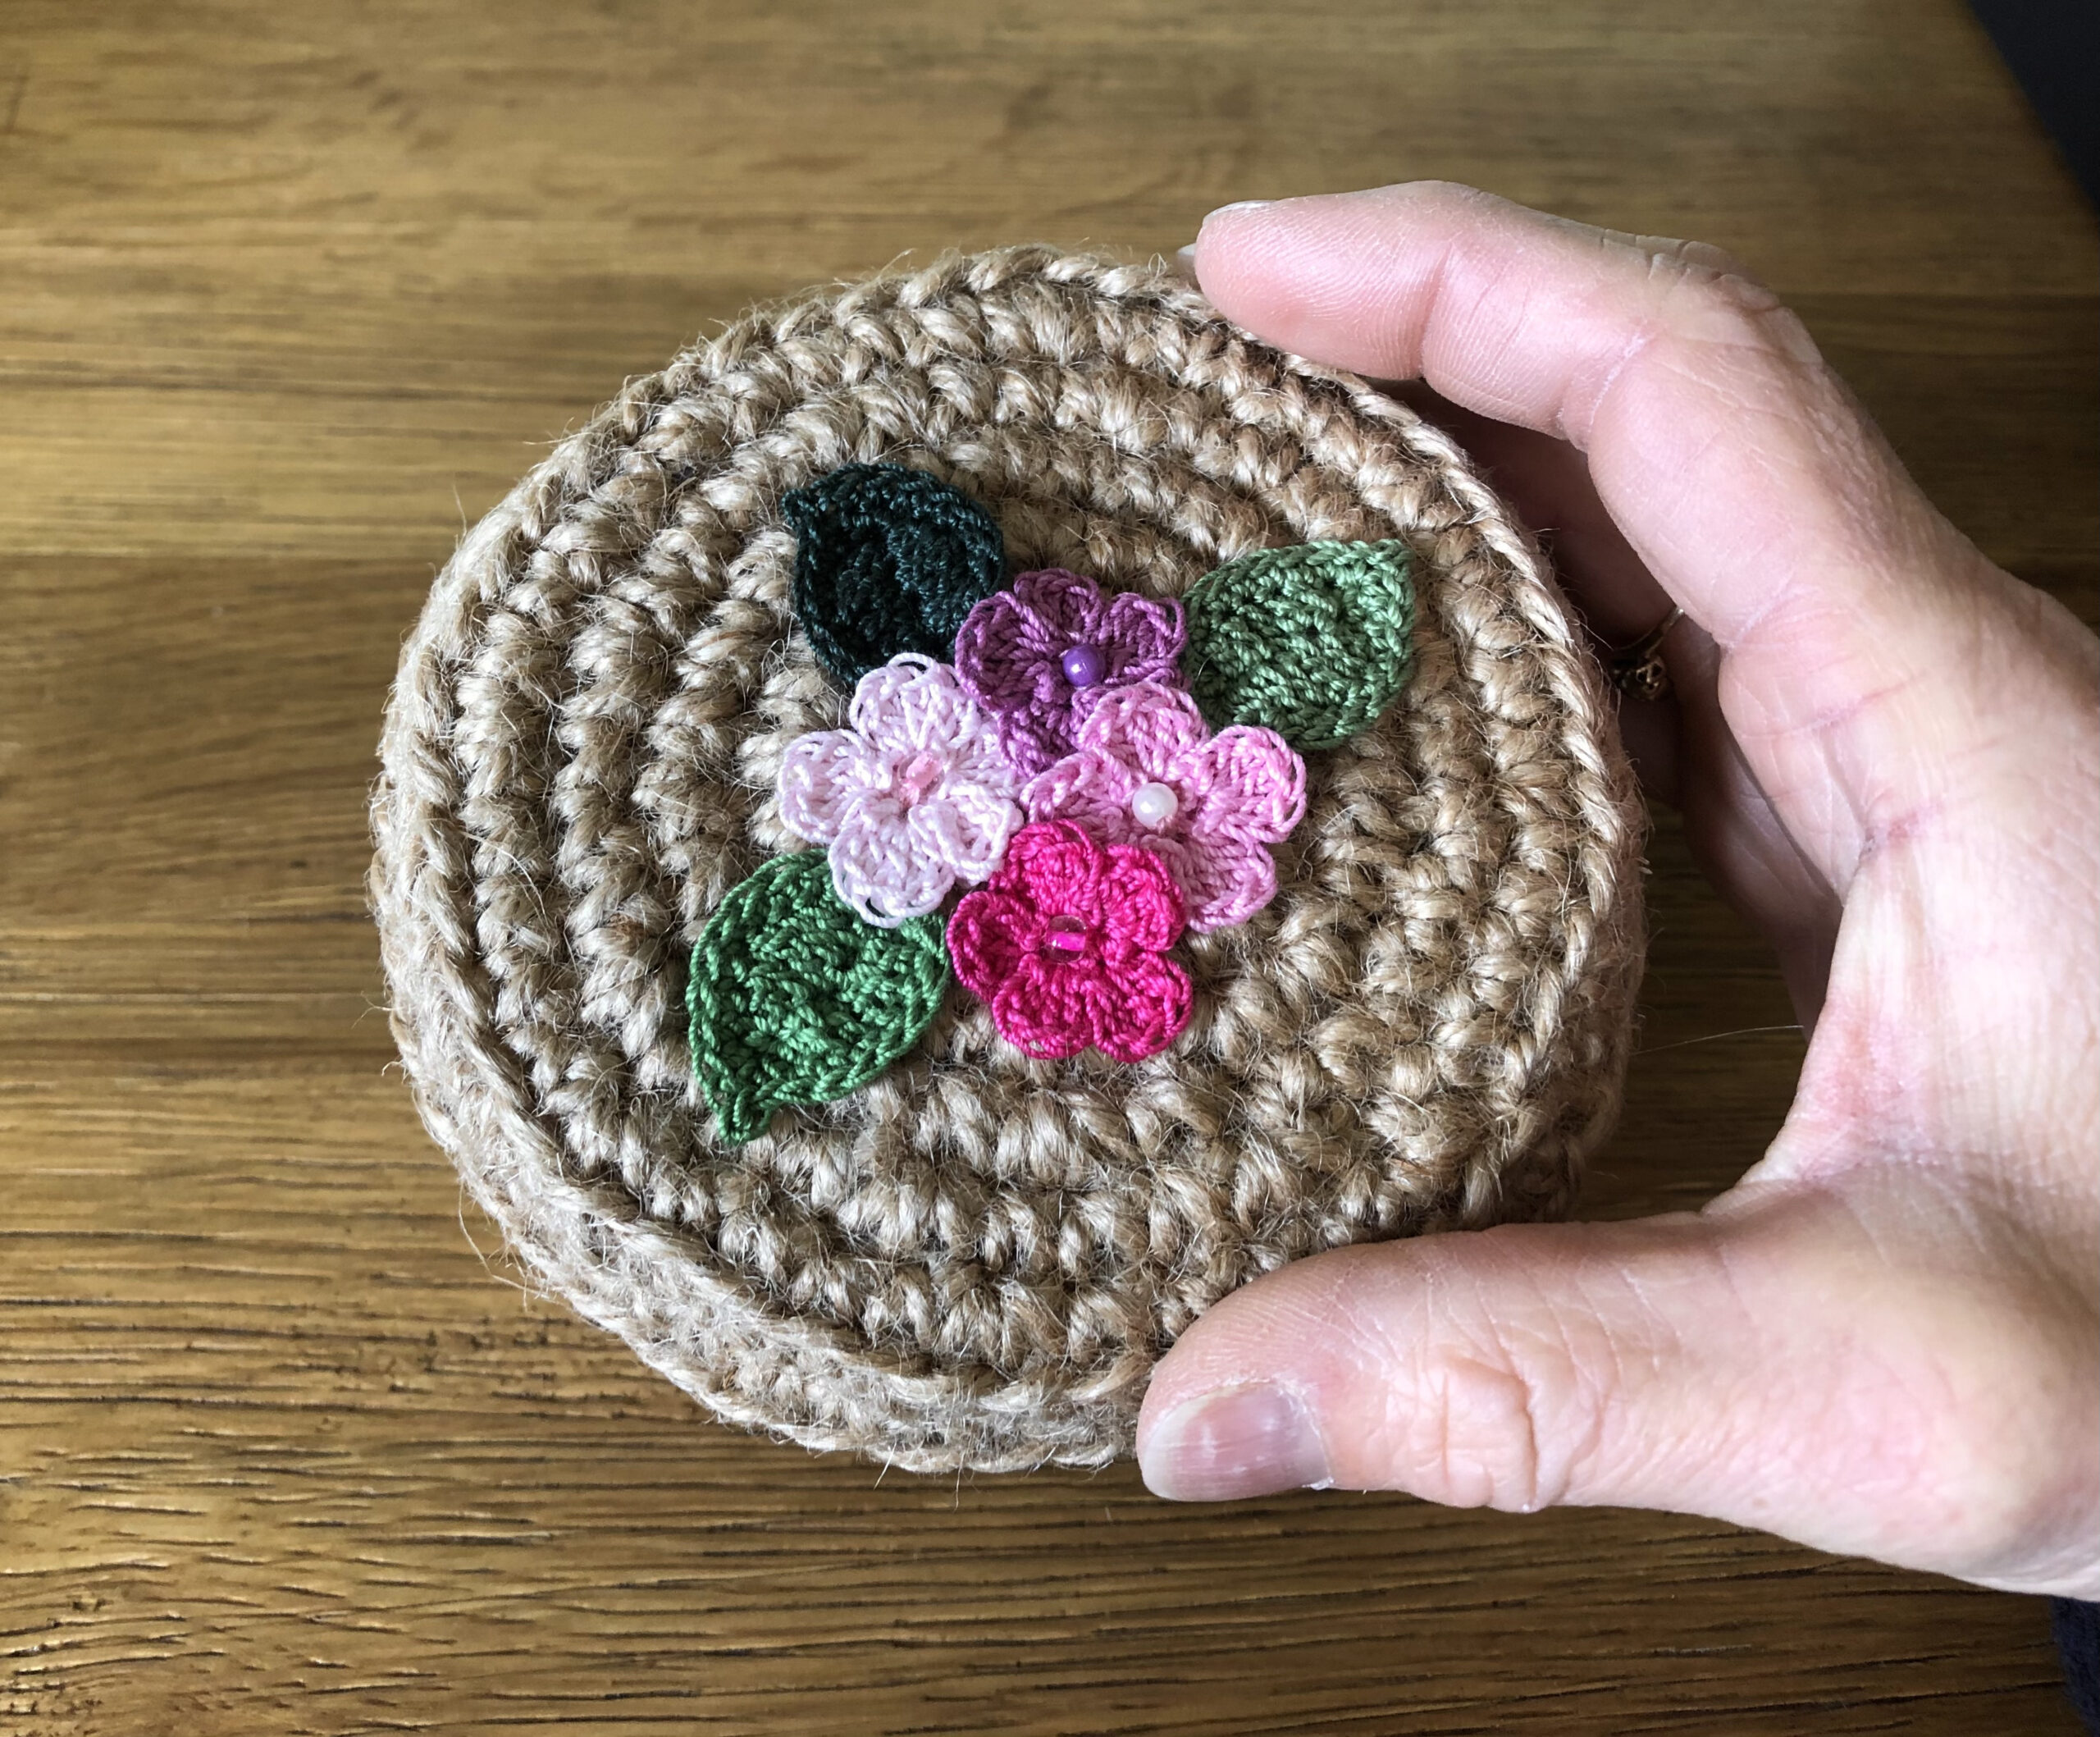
(913, 798)
(1066, 943)
(1146, 773)
(1039, 657)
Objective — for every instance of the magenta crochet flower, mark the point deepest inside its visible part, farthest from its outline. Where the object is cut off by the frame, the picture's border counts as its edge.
(1039, 657)
(1067, 944)
(1146, 772)
(912, 798)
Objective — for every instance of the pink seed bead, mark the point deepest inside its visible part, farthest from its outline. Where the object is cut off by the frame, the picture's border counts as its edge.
(915, 777)
(1084, 665)
(1066, 934)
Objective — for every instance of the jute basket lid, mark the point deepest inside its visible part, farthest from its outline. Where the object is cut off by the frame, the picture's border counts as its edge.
(976, 1259)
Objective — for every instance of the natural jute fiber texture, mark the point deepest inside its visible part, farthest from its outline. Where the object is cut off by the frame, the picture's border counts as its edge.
(976, 1258)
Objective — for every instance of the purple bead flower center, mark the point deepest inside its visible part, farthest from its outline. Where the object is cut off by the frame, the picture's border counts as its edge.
(1084, 665)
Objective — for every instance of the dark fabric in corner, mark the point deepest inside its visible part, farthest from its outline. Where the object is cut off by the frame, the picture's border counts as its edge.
(2053, 49)
(2078, 1638)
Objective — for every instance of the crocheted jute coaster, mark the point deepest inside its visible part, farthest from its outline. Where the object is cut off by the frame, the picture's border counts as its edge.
(976, 1258)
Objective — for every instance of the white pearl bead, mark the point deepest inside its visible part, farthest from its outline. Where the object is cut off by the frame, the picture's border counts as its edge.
(1154, 804)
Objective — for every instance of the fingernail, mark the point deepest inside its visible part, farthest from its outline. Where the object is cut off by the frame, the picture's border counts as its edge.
(1236, 205)
(1232, 1442)
(1185, 261)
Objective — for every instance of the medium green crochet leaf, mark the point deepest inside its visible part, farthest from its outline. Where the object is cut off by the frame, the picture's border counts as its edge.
(1314, 642)
(793, 998)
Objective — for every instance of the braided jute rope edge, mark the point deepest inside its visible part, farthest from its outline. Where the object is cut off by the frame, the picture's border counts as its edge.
(586, 1240)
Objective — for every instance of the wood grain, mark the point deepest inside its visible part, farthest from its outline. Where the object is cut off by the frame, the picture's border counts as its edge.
(290, 292)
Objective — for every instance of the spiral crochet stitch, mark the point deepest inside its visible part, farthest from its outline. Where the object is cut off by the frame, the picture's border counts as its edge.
(976, 1258)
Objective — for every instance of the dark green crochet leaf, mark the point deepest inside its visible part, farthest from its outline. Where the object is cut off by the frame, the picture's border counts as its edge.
(1314, 642)
(793, 998)
(887, 559)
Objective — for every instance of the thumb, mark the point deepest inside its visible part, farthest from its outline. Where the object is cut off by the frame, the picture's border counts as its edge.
(1770, 1362)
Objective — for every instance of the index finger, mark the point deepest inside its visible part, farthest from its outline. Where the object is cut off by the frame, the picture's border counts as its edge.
(1736, 463)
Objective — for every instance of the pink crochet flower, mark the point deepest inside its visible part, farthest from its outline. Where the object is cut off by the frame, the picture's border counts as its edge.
(1067, 944)
(1040, 656)
(913, 798)
(1144, 774)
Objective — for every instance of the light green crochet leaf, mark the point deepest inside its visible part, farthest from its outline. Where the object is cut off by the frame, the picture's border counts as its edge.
(1314, 642)
(793, 998)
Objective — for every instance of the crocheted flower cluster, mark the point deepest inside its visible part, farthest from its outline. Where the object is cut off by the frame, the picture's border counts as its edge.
(1146, 823)
(1106, 770)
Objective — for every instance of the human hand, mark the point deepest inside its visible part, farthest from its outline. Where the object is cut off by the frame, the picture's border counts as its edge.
(1885, 1339)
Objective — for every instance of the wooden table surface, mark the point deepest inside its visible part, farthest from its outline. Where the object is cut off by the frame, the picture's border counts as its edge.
(289, 292)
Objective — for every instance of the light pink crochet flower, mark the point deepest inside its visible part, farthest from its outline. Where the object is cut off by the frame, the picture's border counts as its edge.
(1147, 773)
(1067, 942)
(912, 798)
